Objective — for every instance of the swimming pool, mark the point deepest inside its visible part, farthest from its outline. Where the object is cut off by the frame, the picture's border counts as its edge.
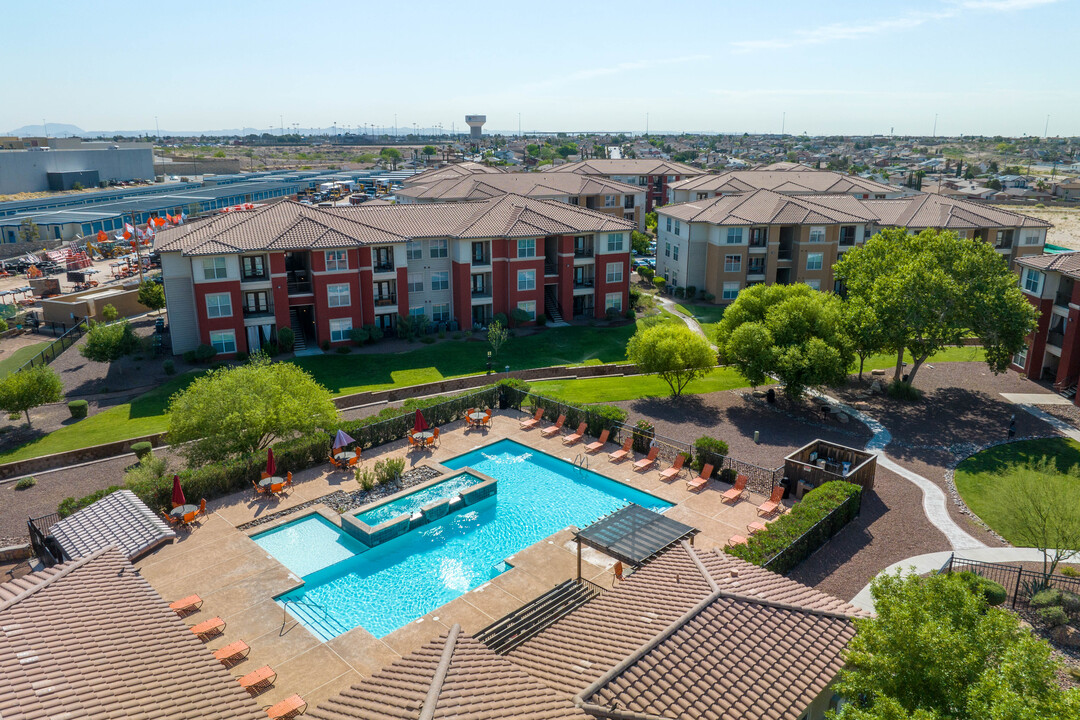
(412, 502)
(392, 584)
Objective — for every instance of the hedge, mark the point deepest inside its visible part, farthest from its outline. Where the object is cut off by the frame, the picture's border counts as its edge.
(806, 527)
(708, 451)
(78, 409)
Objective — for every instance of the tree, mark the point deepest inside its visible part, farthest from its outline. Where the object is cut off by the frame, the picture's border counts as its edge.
(429, 150)
(30, 388)
(674, 352)
(932, 289)
(1044, 521)
(791, 331)
(29, 232)
(936, 651)
(151, 295)
(639, 242)
(391, 155)
(110, 313)
(497, 335)
(651, 220)
(863, 328)
(244, 409)
(109, 343)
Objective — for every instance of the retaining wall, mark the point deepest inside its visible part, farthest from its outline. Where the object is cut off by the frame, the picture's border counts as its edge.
(21, 468)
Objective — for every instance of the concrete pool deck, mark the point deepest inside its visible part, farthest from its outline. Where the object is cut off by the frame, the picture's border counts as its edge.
(238, 580)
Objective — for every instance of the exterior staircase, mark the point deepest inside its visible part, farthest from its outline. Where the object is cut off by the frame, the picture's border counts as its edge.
(551, 309)
(298, 332)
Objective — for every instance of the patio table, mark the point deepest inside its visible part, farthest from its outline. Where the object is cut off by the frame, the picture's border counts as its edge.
(272, 480)
(423, 436)
(477, 416)
(181, 510)
(345, 456)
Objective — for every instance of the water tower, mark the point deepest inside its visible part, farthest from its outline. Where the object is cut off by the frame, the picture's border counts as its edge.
(475, 123)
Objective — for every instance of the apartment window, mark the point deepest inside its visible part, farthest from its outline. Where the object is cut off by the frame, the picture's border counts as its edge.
(441, 312)
(219, 305)
(734, 236)
(815, 284)
(413, 250)
(340, 329)
(383, 259)
(214, 269)
(337, 260)
(756, 266)
(253, 267)
(667, 249)
(337, 295)
(526, 279)
(615, 242)
(527, 248)
(1031, 238)
(675, 252)
(759, 236)
(614, 272)
(847, 235)
(731, 291)
(669, 224)
(224, 341)
(415, 312)
(677, 226)
(1020, 358)
(733, 263)
(702, 196)
(440, 280)
(416, 282)
(1033, 281)
(611, 201)
(437, 248)
(817, 234)
(528, 306)
(613, 301)
(814, 260)
(257, 302)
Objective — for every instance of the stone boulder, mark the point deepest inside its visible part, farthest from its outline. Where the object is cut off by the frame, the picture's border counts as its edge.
(1066, 636)
(879, 372)
(841, 417)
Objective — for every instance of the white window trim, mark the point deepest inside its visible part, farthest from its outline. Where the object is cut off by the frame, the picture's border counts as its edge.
(733, 266)
(821, 261)
(817, 230)
(227, 296)
(729, 287)
(612, 270)
(528, 306)
(343, 333)
(440, 246)
(410, 282)
(738, 234)
(333, 295)
(223, 334)
(414, 250)
(440, 274)
(211, 263)
(524, 276)
(524, 243)
(1040, 281)
(342, 264)
(613, 300)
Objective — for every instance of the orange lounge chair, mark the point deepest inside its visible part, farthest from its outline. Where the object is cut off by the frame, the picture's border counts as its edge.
(202, 506)
(772, 505)
(487, 418)
(701, 480)
(189, 517)
(575, 437)
(288, 708)
(533, 421)
(755, 527)
(232, 653)
(334, 462)
(622, 453)
(187, 605)
(552, 429)
(258, 681)
(737, 490)
(413, 442)
(208, 628)
(599, 444)
(648, 461)
(673, 472)
(736, 540)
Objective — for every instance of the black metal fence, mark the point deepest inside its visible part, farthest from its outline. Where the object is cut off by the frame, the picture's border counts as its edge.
(47, 550)
(57, 346)
(819, 533)
(1019, 584)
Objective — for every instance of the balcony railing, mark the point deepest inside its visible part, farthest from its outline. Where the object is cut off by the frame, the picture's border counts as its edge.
(583, 282)
(298, 284)
(551, 269)
(255, 277)
(385, 299)
(583, 252)
(481, 292)
(256, 312)
(1055, 338)
(1063, 299)
(381, 267)
(784, 254)
(1004, 245)
(485, 260)
(759, 243)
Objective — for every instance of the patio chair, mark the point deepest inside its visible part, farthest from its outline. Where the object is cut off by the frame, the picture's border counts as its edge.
(575, 437)
(413, 442)
(202, 506)
(354, 461)
(469, 422)
(648, 461)
(701, 480)
(599, 444)
(169, 519)
(755, 527)
(623, 452)
(276, 488)
(433, 439)
(186, 606)
(258, 681)
(533, 421)
(290, 707)
(736, 540)
(259, 489)
(773, 504)
(208, 628)
(335, 463)
(552, 429)
(487, 418)
(356, 453)
(232, 653)
(673, 472)
(264, 475)
(189, 518)
(737, 490)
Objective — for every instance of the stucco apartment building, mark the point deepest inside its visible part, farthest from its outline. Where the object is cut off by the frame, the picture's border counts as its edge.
(786, 182)
(232, 280)
(729, 242)
(656, 176)
(1050, 283)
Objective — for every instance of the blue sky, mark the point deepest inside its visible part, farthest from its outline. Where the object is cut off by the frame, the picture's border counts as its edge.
(983, 66)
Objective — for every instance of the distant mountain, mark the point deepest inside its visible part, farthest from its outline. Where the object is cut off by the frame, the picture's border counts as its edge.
(55, 130)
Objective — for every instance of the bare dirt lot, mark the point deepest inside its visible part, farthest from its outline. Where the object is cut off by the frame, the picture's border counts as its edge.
(1066, 222)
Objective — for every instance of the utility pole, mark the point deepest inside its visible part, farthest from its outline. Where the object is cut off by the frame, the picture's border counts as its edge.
(646, 124)
(783, 123)
(935, 125)
(1046, 129)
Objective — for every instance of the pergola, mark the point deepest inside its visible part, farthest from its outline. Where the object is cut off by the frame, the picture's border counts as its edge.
(633, 535)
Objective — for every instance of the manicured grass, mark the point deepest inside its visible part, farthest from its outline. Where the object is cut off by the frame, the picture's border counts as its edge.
(614, 389)
(966, 353)
(14, 360)
(703, 313)
(984, 480)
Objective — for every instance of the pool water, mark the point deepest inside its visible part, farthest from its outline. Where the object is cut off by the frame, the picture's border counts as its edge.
(392, 584)
(412, 502)
(308, 545)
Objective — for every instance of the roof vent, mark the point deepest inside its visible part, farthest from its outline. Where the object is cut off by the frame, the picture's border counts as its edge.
(734, 573)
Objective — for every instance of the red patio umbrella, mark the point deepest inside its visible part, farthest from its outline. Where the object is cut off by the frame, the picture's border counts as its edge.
(420, 425)
(271, 468)
(178, 498)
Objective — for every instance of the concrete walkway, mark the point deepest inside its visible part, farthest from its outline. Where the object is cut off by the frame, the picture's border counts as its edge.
(1060, 425)
(671, 306)
(1036, 398)
(930, 562)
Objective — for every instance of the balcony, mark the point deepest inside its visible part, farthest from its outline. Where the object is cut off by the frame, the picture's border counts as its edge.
(481, 260)
(481, 292)
(383, 267)
(255, 277)
(386, 299)
(551, 269)
(298, 283)
(784, 254)
(584, 281)
(583, 252)
(1056, 339)
(258, 312)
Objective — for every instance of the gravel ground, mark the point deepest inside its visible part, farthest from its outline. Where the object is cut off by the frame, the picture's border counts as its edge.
(1066, 413)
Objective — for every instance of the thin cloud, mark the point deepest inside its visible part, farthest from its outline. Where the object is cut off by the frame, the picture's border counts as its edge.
(626, 67)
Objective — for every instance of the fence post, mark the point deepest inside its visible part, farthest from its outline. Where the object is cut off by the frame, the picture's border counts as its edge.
(1016, 592)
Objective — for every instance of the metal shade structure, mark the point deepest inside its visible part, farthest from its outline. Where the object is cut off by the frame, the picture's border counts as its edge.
(633, 535)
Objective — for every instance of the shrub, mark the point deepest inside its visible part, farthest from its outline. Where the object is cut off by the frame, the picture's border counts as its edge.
(189, 357)
(1070, 571)
(404, 327)
(708, 297)
(1046, 598)
(325, 346)
(520, 316)
(343, 350)
(511, 393)
(541, 319)
(142, 449)
(630, 314)
(389, 470)
(427, 340)
(169, 366)
(458, 335)
(644, 432)
(646, 273)
(994, 593)
(635, 297)
(501, 319)
(78, 409)
(366, 477)
(691, 291)
(69, 505)
(612, 314)
(286, 339)
(679, 292)
(899, 390)
(205, 353)
(26, 483)
(442, 331)
(1053, 616)
(659, 282)
(375, 333)
(108, 343)
(708, 450)
(110, 313)
(271, 348)
(241, 356)
(1071, 602)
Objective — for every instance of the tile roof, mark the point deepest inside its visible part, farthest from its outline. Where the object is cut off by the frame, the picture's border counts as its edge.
(295, 226)
(453, 676)
(119, 519)
(628, 166)
(457, 170)
(534, 185)
(91, 639)
(935, 211)
(800, 181)
(1067, 263)
(763, 207)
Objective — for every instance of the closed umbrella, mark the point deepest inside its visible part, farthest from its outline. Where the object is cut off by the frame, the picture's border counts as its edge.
(178, 498)
(342, 439)
(271, 468)
(420, 425)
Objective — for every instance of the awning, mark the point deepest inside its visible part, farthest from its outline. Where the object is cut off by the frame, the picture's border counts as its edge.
(633, 534)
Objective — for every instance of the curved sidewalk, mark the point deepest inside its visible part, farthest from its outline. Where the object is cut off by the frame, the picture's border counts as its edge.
(671, 306)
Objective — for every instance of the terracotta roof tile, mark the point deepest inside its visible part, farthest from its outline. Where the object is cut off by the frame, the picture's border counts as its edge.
(763, 207)
(795, 181)
(535, 185)
(448, 172)
(946, 213)
(1066, 263)
(629, 166)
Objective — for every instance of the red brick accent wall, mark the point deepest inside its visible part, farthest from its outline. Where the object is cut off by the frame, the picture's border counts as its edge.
(461, 282)
(235, 322)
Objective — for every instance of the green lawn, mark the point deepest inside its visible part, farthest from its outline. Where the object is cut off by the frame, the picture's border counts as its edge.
(984, 479)
(703, 313)
(14, 360)
(614, 389)
(967, 353)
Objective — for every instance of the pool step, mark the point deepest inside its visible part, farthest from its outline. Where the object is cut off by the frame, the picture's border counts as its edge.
(512, 630)
(315, 619)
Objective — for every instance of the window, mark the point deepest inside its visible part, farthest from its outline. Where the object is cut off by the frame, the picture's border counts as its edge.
(611, 201)
(1033, 281)
(1031, 238)
(756, 266)
(416, 282)
(669, 224)
(440, 280)
(415, 312)
(814, 260)
(224, 341)
(253, 267)
(613, 301)
(615, 242)
(675, 252)
(817, 234)
(847, 235)
(528, 306)
(734, 236)
(759, 236)
(527, 248)
(677, 226)
(219, 305)
(815, 284)
(1020, 358)
(257, 302)
(731, 291)
(667, 249)
(437, 249)
(526, 279)
(383, 259)
(413, 251)
(702, 196)
(214, 269)
(440, 313)
(733, 263)
(614, 272)
(337, 260)
(340, 329)
(338, 295)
